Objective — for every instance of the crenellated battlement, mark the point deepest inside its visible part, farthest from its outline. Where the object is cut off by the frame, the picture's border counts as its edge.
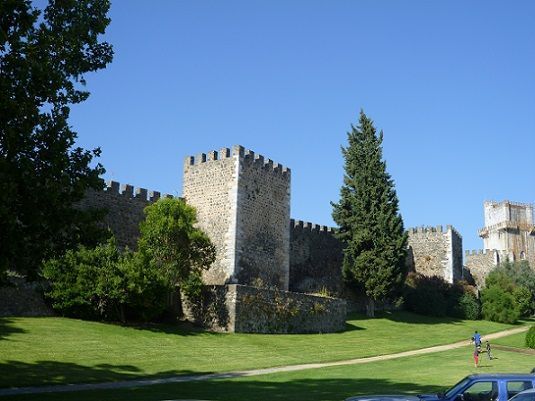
(240, 152)
(433, 229)
(128, 191)
(472, 252)
(507, 202)
(307, 226)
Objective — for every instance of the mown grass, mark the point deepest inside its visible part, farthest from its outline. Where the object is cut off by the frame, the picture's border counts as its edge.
(37, 351)
(419, 374)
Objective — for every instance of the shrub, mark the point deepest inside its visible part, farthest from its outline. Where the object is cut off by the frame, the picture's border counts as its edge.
(426, 295)
(104, 283)
(469, 306)
(499, 305)
(530, 337)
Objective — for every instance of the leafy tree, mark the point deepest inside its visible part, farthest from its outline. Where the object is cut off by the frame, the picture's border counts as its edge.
(499, 305)
(518, 280)
(44, 56)
(171, 242)
(104, 283)
(370, 225)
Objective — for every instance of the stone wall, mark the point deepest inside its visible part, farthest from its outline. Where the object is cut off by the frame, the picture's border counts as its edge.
(436, 252)
(23, 299)
(124, 207)
(262, 233)
(315, 258)
(243, 204)
(244, 309)
(479, 263)
(210, 185)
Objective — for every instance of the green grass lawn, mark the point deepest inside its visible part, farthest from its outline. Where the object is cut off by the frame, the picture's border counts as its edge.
(36, 351)
(420, 374)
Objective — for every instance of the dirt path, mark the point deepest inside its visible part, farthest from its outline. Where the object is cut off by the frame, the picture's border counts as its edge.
(245, 373)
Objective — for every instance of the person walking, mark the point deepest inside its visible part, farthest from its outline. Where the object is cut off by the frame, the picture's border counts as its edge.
(489, 353)
(476, 356)
(476, 338)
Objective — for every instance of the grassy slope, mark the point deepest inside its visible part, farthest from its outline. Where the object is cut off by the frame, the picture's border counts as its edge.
(36, 351)
(420, 374)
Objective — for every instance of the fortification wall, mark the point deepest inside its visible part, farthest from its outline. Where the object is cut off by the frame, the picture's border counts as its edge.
(210, 185)
(315, 258)
(434, 251)
(244, 309)
(479, 263)
(124, 205)
(262, 234)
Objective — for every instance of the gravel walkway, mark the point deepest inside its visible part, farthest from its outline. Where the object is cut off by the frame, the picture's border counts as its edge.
(243, 373)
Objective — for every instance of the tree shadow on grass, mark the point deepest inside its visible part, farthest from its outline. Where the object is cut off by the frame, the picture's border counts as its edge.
(42, 373)
(413, 318)
(257, 389)
(7, 328)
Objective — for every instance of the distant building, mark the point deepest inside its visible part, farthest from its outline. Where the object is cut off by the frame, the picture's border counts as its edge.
(509, 234)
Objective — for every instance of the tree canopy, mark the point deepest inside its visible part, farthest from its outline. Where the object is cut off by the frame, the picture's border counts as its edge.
(44, 56)
(370, 225)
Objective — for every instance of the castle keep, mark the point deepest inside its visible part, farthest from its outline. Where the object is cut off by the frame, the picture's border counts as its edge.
(509, 234)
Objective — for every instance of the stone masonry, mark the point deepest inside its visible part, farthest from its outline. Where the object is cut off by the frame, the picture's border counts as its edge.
(243, 204)
(434, 251)
(124, 208)
(315, 259)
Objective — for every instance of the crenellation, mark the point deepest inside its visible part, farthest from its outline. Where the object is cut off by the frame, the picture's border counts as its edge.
(154, 196)
(127, 190)
(200, 158)
(238, 150)
(141, 193)
(224, 153)
(212, 155)
(112, 186)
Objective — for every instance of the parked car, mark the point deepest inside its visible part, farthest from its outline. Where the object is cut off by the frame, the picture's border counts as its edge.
(527, 395)
(479, 387)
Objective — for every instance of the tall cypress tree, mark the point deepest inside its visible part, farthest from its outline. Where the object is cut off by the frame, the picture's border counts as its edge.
(367, 214)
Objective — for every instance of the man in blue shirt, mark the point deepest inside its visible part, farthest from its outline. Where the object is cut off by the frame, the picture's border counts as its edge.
(476, 338)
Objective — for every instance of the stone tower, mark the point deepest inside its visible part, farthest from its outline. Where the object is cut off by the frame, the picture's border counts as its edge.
(243, 205)
(434, 251)
(509, 229)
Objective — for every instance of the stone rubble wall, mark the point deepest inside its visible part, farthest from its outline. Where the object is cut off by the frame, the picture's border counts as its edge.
(124, 207)
(315, 259)
(479, 263)
(244, 309)
(23, 299)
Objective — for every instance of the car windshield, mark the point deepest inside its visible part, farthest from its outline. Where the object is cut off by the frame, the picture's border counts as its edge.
(455, 389)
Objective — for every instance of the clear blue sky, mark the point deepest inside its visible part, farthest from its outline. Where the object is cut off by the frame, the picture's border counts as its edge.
(451, 83)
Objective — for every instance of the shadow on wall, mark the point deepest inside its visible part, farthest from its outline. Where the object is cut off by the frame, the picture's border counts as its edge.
(251, 389)
(7, 328)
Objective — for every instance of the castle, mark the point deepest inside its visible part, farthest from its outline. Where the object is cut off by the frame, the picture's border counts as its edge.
(243, 204)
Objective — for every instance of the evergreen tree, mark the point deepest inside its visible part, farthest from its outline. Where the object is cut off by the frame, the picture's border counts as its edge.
(370, 225)
(43, 58)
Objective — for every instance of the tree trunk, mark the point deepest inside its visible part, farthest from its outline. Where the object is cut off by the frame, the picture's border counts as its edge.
(370, 307)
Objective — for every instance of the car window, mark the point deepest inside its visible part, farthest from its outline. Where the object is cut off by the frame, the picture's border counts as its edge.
(514, 387)
(482, 391)
(455, 389)
(525, 397)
